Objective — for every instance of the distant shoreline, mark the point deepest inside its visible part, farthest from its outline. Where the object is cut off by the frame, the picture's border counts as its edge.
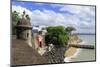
(73, 52)
(76, 51)
(84, 34)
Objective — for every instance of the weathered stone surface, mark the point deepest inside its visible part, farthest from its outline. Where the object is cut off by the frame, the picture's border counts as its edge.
(56, 55)
(23, 54)
(23, 29)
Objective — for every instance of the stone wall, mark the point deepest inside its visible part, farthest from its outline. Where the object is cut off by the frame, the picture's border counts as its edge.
(56, 55)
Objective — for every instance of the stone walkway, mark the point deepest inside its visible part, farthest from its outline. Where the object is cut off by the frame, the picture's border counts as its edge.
(23, 54)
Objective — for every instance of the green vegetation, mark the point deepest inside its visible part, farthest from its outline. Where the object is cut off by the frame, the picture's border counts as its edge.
(56, 35)
(69, 30)
(15, 19)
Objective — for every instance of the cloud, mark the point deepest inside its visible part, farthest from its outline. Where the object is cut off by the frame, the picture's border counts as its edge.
(77, 9)
(82, 18)
(47, 17)
(73, 9)
(21, 9)
(85, 13)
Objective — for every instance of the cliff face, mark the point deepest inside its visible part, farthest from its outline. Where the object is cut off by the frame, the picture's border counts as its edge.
(74, 39)
(70, 52)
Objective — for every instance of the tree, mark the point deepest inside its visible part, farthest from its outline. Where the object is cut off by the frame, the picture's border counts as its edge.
(56, 35)
(69, 30)
(15, 19)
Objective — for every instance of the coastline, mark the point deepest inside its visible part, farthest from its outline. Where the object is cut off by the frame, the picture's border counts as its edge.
(72, 52)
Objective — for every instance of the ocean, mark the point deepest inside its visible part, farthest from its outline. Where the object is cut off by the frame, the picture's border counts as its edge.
(85, 54)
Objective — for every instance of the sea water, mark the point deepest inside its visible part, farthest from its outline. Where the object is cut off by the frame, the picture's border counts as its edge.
(85, 54)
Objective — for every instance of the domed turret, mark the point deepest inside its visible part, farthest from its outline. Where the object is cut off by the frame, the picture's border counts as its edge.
(24, 22)
(23, 28)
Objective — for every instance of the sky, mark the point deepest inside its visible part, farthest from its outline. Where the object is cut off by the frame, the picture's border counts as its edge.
(49, 14)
